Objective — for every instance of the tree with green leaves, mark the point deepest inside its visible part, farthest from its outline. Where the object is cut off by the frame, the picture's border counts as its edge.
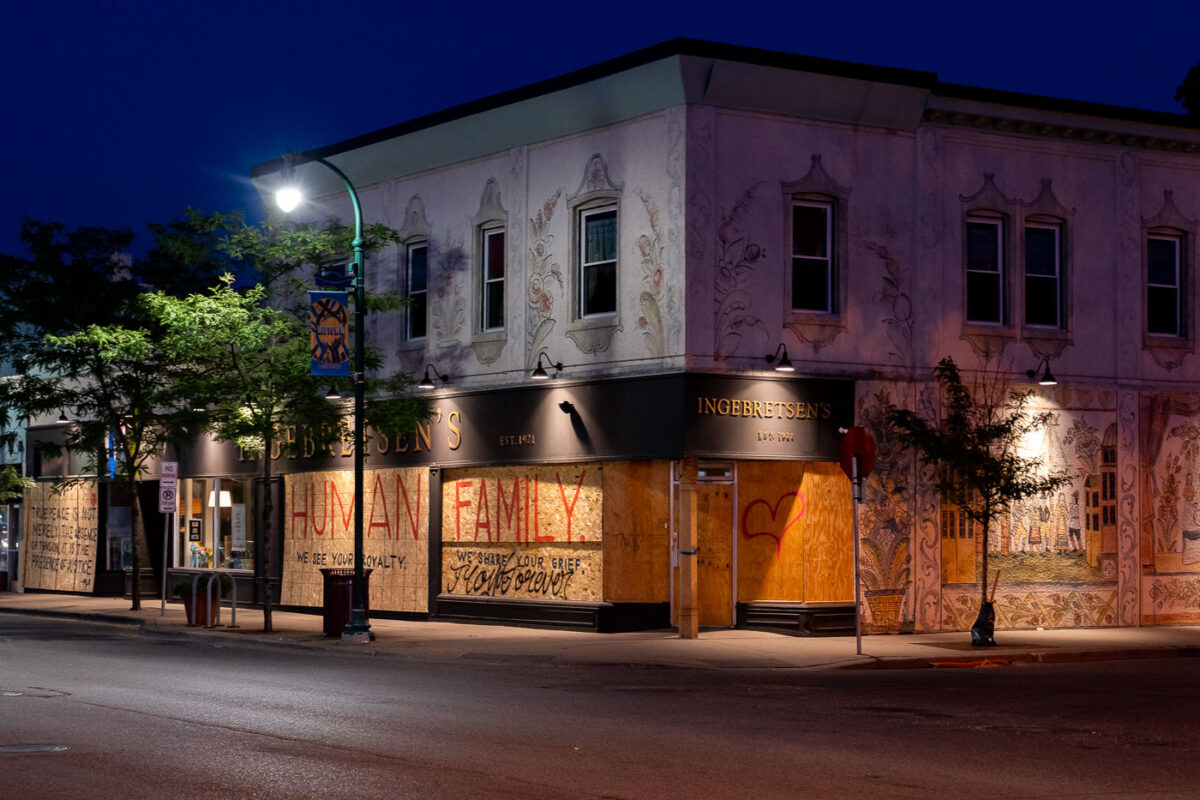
(68, 279)
(13, 485)
(112, 382)
(246, 354)
(1188, 92)
(975, 449)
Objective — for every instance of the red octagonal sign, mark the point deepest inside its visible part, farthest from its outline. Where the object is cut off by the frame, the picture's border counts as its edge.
(858, 442)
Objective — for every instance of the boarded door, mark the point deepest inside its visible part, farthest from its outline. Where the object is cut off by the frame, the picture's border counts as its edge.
(715, 560)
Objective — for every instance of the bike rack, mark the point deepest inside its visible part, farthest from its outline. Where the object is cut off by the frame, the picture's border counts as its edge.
(212, 623)
(216, 576)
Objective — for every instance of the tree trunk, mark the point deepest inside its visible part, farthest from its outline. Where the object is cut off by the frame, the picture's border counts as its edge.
(987, 524)
(136, 565)
(265, 536)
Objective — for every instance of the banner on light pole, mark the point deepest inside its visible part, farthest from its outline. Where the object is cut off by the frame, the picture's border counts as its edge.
(329, 323)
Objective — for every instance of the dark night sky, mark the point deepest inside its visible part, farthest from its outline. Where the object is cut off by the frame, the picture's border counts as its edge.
(124, 112)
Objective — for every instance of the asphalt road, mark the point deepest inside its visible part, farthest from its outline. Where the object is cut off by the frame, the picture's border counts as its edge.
(151, 716)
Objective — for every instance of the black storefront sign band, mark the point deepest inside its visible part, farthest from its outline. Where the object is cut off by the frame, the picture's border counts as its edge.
(659, 417)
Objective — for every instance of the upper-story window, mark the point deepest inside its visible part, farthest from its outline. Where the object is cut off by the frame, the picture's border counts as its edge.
(985, 270)
(1043, 275)
(597, 261)
(492, 275)
(417, 283)
(812, 256)
(1165, 312)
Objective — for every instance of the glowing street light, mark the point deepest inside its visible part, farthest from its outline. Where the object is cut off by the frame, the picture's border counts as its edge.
(288, 198)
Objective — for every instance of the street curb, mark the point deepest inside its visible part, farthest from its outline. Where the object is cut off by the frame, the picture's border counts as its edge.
(1039, 657)
(84, 616)
(151, 624)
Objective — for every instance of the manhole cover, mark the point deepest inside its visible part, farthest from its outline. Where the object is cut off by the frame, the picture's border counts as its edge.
(33, 748)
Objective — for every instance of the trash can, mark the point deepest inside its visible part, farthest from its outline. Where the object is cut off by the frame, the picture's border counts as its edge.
(339, 598)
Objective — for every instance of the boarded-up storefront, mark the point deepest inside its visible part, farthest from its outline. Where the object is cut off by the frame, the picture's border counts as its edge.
(59, 550)
(319, 533)
(531, 532)
(795, 538)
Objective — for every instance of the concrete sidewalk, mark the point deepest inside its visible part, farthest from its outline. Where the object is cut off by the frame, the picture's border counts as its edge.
(715, 649)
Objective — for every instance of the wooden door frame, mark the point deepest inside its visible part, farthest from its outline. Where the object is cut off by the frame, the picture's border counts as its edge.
(729, 479)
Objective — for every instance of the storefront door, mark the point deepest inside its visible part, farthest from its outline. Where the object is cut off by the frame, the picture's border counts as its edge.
(714, 536)
(716, 547)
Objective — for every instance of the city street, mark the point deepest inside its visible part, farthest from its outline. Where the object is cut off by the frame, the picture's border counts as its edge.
(150, 716)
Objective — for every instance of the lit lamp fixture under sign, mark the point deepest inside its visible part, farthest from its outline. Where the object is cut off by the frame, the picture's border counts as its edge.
(427, 383)
(780, 359)
(540, 374)
(1047, 379)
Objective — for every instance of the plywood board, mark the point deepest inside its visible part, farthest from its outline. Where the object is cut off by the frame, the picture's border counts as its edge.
(636, 535)
(534, 572)
(533, 532)
(794, 532)
(828, 535)
(714, 562)
(59, 550)
(319, 533)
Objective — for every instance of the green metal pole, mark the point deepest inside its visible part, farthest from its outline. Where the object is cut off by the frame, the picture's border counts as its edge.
(359, 628)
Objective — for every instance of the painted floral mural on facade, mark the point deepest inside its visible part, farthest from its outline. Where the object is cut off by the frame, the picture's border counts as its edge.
(544, 274)
(650, 251)
(448, 306)
(737, 260)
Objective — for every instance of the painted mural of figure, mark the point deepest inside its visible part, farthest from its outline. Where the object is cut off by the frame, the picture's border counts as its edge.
(1058, 519)
(1020, 536)
(1035, 532)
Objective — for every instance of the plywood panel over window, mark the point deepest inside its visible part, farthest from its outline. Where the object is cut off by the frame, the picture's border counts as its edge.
(319, 533)
(794, 529)
(530, 532)
(636, 517)
(59, 551)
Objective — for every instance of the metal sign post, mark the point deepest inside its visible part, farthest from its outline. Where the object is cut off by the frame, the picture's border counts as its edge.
(856, 498)
(858, 459)
(168, 484)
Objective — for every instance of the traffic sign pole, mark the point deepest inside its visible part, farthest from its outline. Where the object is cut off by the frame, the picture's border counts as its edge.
(858, 459)
(167, 487)
(856, 484)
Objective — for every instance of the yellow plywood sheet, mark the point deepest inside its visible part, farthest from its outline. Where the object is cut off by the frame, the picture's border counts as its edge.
(636, 535)
(530, 532)
(530, 572)
(794, 533)
(319, 533)
(526, 505)
(59, 551)
(714, 561)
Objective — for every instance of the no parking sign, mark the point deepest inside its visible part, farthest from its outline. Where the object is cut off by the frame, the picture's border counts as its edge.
(168, 487)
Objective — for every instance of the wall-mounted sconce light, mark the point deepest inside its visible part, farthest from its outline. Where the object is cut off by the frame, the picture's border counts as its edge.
(780, 359)
(226, 499)
(427, 382)
(566, 406)
(1047, 378)
(539, 373)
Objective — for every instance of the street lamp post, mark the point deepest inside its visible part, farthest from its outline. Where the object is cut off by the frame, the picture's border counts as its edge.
(359, 628)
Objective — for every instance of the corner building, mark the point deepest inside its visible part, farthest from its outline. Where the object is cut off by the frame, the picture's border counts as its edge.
(661, 232)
